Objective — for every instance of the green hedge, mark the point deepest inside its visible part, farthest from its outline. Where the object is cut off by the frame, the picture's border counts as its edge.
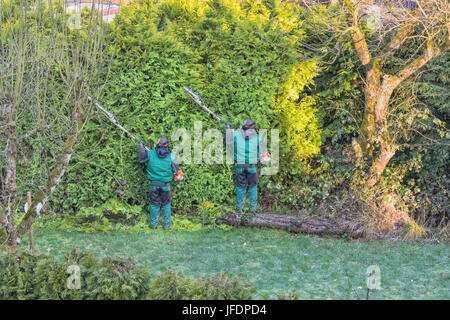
(233, 55)
(26, 276)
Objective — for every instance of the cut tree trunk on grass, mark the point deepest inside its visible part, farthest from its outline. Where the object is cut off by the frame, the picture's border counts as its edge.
(295, 224)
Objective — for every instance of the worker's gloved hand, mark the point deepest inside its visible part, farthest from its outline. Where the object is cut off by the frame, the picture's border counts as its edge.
(226, 124)
(178, 176)
(265, 158)
(142, 154)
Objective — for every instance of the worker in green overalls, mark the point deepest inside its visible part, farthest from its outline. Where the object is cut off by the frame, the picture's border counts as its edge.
(248, 148)
(161, 169)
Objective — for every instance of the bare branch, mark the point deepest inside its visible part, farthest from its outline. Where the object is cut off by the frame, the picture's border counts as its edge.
(34, 131)
(429, 54)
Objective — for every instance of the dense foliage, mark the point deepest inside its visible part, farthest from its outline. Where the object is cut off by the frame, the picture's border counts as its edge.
(249, 60)
(27, 276)
(231, 54)
(418, 116)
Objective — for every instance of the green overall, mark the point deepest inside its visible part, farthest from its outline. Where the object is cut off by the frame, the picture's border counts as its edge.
(246, 157)
(160, 174)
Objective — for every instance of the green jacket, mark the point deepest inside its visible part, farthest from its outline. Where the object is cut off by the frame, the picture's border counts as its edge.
(248, 146)
(160, 165)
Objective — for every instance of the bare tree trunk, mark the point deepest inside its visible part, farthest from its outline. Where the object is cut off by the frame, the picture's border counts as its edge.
(296, 224)
(374, 129)
(55, 175)
(387, 147)
(367, 134)
(9, 196)
(33, 64)
(371, 90)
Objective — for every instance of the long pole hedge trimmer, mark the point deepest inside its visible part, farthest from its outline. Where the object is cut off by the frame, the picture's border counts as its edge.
(114, 121)
(197, 99)
(264, 158)
(178, 176)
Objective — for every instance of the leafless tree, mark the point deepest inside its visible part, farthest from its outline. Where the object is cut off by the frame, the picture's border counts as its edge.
(378, 29)
(50, 62)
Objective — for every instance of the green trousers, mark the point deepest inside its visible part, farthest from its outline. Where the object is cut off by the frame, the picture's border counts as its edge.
(246, 177)
(241, 195)
(154, 216)
(160, 195)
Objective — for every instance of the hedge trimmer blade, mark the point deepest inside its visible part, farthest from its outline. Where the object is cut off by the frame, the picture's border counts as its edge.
(111, 117)
(197, 99)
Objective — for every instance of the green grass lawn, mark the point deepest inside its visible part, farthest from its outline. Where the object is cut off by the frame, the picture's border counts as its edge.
(316, 268)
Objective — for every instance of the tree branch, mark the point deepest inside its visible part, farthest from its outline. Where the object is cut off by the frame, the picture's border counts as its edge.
(429, 54)
(400, 37)
(32, 132)
(54, 178)
(397, 41)
(358, 38)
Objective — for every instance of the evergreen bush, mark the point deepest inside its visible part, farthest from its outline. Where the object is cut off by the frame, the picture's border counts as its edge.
(232, 54)
(27, 276)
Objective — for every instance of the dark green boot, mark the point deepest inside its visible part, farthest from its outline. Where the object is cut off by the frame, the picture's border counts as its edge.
(154, 216)
(240, 198)
(166, 222)
(253, 202)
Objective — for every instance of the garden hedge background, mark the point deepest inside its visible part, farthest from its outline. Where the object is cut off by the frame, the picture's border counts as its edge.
(237, 56)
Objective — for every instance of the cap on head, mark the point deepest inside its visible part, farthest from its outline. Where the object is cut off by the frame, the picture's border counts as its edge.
(249, 124)
(163, 142)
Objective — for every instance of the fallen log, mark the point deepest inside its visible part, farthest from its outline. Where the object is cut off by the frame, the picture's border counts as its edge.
(295, 224)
